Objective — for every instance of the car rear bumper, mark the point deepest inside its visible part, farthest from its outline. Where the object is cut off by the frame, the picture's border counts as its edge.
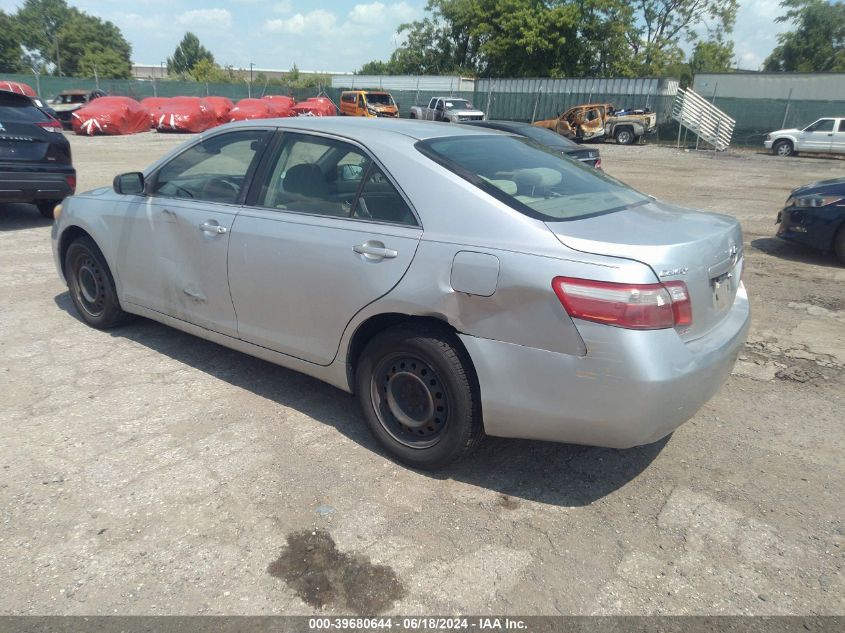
(23, 186)
(632, 387)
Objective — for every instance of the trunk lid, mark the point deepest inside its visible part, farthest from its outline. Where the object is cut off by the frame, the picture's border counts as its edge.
(704, 250)
(23, 142)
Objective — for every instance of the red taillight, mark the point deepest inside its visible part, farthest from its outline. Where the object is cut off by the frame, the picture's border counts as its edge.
(598, 163)
(71, 182)
(51, 126)
(632, 306)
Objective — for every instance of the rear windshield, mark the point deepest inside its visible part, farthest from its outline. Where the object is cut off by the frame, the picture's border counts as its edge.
(23, 113)
(379, 98)
(530, 178)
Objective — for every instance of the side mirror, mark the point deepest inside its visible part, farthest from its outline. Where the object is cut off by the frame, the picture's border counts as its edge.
(129, 184)
(350, 172)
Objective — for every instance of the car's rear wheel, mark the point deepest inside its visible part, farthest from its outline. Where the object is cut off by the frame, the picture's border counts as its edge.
(419, 395)
(625, 136)
(839, 245)
(412, 116)
(783, 148)
(45, 207)
(91, 285)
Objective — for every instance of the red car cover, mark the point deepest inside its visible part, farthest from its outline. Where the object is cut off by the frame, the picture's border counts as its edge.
(282, 104)
(152, 104)
(111, 115)
(246, 109)
(16, 86)
(315, 106)
(221, 107)
(184, 114)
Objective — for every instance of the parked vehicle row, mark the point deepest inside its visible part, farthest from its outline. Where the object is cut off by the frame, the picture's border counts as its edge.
(461, 281)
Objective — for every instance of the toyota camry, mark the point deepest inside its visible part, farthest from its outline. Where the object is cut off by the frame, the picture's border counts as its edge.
(460, 282)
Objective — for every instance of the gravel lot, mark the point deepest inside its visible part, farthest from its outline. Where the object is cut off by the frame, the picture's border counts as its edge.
(145, 471)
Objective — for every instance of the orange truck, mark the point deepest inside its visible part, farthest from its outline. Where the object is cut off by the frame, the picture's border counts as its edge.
(369, 103)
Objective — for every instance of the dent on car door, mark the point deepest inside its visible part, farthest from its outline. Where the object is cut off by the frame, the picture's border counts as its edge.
(325, 234)
(175, 242)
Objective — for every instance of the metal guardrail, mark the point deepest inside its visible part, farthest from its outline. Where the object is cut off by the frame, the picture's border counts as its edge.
(703, 119)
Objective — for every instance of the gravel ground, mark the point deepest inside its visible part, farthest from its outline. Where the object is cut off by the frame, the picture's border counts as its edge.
(145, 471)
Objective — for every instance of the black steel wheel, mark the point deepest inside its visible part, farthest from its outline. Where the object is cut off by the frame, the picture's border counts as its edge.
(410, 400)
(419, 395)
(91, 285)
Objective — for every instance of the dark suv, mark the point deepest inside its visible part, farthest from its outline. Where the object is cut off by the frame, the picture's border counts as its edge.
(35, 163)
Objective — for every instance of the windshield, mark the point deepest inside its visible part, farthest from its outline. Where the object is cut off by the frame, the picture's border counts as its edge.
(379, 98)
(458, 104)
(70, 99)
(530, 178)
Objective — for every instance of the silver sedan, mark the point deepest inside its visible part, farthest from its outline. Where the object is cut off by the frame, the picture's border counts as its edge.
(461, 282)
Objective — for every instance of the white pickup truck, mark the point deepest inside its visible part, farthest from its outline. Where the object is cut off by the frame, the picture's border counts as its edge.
(825, 136)
(448, 109)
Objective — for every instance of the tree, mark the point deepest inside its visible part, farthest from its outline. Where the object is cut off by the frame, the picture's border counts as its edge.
(665, 22)
(82, 36)
(39, 22)
(554, 38)
(818, 42)
(60, 36)
(206, 71)
(104, 63)
(10, 46)
(187, 54)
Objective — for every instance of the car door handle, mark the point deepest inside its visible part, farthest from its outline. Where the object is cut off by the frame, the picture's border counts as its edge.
(375, 250)
(209, 227)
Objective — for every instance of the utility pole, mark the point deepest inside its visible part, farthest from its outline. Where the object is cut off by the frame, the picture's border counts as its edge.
(161, 64)
(251, 66)
(58, 57)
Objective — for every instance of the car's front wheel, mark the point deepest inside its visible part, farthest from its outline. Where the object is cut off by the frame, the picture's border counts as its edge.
(45, 207)
(783, 148)
(419, 395)
(91, 285)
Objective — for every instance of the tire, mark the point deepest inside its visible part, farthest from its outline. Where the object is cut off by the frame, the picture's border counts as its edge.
(45, 207)
(91, 285)
(412, 116)
(839, 245)
(783, 148)
(419, 395)
(624, 136)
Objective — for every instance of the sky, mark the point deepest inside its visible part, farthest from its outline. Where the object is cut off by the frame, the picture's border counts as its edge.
(322, 35)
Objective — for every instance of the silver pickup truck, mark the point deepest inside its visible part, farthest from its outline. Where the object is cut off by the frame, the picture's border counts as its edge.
(448, 109)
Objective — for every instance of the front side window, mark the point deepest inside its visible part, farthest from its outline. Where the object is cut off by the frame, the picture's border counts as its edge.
(213, 170)
(824, 125)
(530, 178)
(324, 176)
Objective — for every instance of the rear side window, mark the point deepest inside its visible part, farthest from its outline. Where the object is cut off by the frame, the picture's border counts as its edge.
(531, 178)
(842, 125)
